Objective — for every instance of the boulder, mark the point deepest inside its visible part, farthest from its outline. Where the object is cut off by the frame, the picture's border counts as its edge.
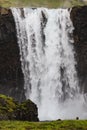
(12, 110)
(27, 110)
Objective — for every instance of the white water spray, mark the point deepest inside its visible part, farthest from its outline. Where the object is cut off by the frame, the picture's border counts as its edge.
(48, 63)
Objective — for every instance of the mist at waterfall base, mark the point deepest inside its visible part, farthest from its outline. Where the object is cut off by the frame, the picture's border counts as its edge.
(48, 62)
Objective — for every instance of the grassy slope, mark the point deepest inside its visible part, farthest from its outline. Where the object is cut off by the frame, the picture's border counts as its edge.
(55, 125)
(45, 3)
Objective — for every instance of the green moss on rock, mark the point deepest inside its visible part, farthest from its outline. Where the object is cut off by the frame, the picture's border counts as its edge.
(27, 111)
(12, 110)
(7, 107)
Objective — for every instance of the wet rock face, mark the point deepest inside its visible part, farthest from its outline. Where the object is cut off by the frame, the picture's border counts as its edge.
(79, 18)
(11, 76)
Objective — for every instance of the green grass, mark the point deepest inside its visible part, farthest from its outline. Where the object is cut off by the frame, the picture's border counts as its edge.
(20, 3)
(54, 125)
(39, 3)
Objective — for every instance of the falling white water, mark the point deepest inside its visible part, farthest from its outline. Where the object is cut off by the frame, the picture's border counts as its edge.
(48, 63)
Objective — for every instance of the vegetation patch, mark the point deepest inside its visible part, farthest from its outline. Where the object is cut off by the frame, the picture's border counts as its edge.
(7, 107)
(12, 110)
(40, 3)
(53, 125)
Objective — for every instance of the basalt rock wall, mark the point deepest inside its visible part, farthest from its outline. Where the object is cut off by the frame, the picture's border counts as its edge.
(11, 76)
(79, 19)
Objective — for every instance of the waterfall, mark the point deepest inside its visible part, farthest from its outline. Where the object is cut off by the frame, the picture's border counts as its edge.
(48, 61)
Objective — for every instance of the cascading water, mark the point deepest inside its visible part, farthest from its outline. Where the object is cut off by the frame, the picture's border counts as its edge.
(48, 63)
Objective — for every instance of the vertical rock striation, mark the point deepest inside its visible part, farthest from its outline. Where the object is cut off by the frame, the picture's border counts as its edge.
(79, 18)
(11, 76)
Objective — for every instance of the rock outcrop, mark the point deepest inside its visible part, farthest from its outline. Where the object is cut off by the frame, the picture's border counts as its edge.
(12, 110)
(26, 111)
(79, 19)
(11, 76)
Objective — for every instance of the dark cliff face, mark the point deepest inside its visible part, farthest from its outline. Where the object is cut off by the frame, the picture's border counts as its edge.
(79, 19)
(11, 76)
